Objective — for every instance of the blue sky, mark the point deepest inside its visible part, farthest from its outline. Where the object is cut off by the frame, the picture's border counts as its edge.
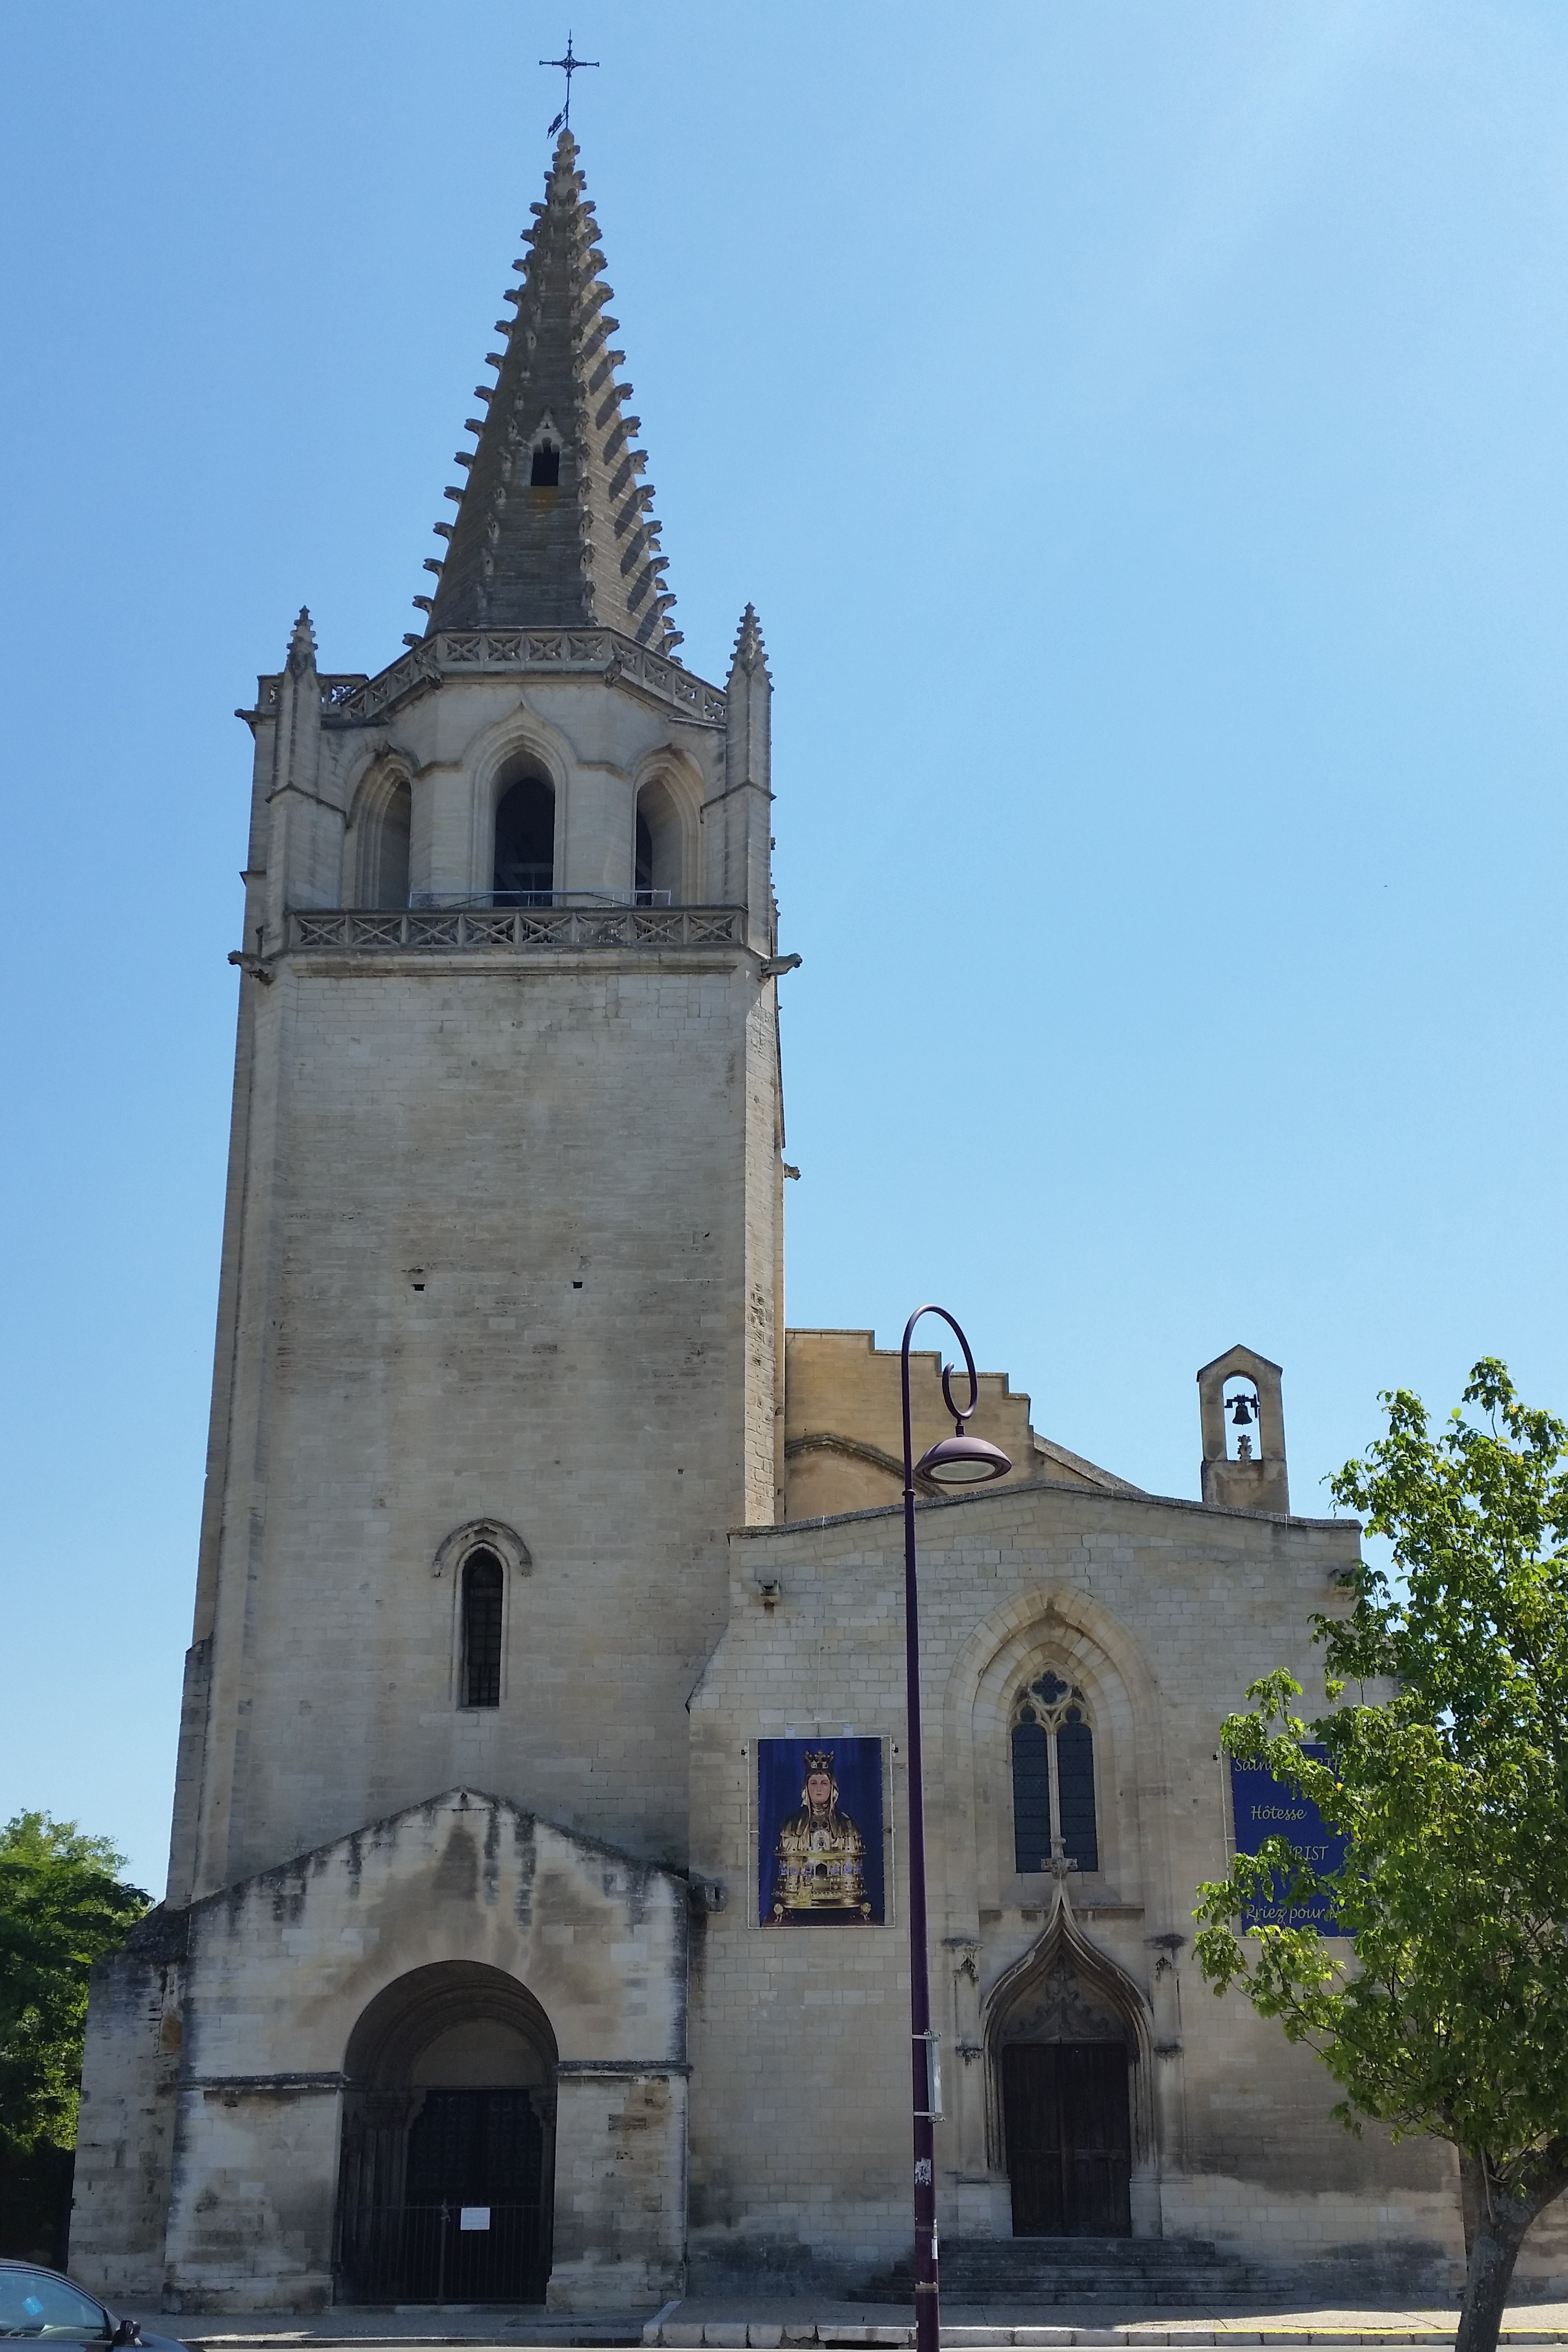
(1140, 427)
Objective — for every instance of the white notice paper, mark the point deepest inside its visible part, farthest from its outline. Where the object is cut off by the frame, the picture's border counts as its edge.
(473, 2217)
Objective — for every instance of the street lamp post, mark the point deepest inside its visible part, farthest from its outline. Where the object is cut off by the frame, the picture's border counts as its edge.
(956, 1461)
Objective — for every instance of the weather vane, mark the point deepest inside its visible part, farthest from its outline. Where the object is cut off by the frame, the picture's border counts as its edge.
(568, 65)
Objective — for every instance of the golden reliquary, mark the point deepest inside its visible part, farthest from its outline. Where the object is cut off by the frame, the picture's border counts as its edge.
(820, 1857)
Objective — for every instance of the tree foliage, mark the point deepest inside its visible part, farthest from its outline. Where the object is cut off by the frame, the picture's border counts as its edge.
(1448, 2014)
(63, 1906)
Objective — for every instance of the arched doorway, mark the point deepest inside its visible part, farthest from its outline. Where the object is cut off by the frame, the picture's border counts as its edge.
(447, 2182)
(1064, 2049)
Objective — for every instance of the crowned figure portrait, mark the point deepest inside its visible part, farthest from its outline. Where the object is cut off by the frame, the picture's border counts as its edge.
(820, 1857)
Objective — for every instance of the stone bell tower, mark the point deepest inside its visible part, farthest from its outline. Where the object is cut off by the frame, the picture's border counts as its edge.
(503, 1237)
(498, 1369)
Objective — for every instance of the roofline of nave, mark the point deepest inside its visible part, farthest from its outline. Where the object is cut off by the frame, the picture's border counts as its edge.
(1134, 1499)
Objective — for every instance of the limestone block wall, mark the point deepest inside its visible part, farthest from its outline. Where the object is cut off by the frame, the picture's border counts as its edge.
(620, 2197)
(844, 1426)
(280, 1969)
(1542, 2266)
(125, 2133)
(506, 1251)
(1161, 1611)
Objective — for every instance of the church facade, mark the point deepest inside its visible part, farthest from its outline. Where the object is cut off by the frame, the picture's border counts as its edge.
(536, 1919)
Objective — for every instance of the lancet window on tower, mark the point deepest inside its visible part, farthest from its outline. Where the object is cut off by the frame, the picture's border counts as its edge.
(484, 1590)
(525, 845)
(1052, 1776)
(545, 473)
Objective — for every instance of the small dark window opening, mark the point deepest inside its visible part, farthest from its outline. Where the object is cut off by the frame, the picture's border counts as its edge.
(643, 862)
(525, 845)
(1031, 1796)
(546, 472)
(483, 1583)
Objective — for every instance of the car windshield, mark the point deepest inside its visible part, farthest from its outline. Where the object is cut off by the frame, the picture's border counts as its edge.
(33, 2304)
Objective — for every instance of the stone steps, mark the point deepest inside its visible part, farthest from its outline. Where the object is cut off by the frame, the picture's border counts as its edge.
(1040, 2272)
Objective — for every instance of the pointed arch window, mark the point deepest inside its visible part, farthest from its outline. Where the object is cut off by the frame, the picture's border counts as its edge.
(391, 847)
(545, 473)
(659, 847)
(484, 1590)
(1053, 1775)
(525, 845)
(383, 827)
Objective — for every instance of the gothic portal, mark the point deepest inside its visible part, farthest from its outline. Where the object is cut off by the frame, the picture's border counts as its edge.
(536, 1915)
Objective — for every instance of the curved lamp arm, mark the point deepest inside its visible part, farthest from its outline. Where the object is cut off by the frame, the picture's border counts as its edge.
(960, 1415)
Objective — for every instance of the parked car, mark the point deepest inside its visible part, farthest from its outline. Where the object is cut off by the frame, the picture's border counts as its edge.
(44, 2304)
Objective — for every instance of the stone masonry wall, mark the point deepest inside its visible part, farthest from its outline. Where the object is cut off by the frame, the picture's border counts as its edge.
(496, 1256)
(125, 2133)
(1162, 1611)
(282, 1969)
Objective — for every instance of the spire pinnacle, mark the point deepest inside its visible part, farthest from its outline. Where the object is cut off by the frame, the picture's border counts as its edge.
(302, 643)
(750, 653)
(554, 528)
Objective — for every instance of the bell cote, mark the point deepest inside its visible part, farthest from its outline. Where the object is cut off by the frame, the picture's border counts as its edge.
(1243, 1421)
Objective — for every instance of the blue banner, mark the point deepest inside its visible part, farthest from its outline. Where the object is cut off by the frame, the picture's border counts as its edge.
(1263, 1809)
(819, 1832)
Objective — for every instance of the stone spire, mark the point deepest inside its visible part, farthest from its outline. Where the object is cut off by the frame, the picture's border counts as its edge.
(553, 528)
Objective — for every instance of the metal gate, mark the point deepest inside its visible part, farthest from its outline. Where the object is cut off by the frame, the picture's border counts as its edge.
(473, 2223)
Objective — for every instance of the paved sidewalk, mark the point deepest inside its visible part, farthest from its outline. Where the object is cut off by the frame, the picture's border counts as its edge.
(775, 2325)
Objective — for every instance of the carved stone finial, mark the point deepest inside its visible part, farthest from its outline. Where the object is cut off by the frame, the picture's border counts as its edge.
(302, 644)
(751, 654)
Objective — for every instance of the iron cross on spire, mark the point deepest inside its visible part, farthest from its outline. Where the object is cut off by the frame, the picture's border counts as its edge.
(568, 65)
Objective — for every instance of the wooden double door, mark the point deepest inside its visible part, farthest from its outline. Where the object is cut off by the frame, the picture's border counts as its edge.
(1068, 2129)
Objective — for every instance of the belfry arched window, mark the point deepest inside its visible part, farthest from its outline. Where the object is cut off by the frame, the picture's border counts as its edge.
(525, 844)
(383, 825)
(658, 848)
(1053, 1775)
(484, 1592)
(390, 883)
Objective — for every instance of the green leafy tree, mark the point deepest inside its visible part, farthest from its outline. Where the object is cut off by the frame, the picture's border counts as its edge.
(1448, 2014)
(63, 1906)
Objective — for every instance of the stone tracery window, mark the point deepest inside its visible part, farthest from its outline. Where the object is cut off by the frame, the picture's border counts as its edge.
(1053, 1775)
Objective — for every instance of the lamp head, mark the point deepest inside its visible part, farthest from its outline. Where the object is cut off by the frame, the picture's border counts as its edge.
(963, 1462)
